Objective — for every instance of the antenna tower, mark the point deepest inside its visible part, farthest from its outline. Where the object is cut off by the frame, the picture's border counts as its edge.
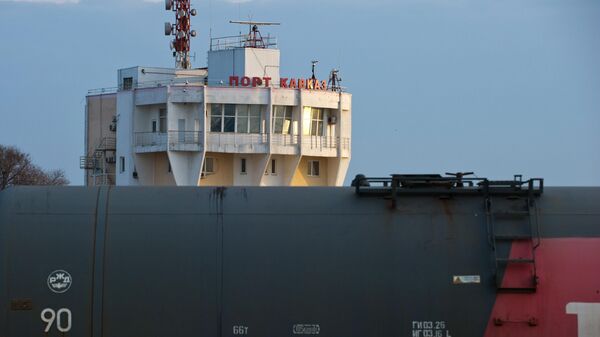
(335, 82)
(181, 29)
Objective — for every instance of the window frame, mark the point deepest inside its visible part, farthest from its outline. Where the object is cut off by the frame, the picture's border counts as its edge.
(311, 170)
(121, 164)
(213, 164)
(248, 122)
(282, 119)
(243, 166)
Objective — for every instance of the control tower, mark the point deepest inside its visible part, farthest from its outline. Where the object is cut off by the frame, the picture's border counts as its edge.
(238, 122)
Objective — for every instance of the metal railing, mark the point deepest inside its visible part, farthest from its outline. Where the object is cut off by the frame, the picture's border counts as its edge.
(240, 41)
(150, 139)
(185, 137)
(284, 140)
(171, 137)
(319, 142)
(226, 138)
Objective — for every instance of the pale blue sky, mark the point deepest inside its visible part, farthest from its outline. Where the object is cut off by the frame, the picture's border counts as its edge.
(498, 87)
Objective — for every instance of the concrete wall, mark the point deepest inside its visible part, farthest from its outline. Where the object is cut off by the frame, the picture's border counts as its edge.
(223, 175)
(301, 177)
(251, 62)
(100, 110)
(125, 108)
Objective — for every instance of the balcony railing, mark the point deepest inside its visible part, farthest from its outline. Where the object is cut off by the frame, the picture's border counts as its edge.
(150, 139)
(236, 139)
(172, 138)
(185, 137)
(319, 142)
(225, 141)
(284, 140)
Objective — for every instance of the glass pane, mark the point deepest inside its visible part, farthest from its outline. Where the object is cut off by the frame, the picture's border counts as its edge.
(242, 124)
(215, 109)
(288, 112)
(278, 125)
(229, 109)
(317, 113)
(320, 128)
(229, 124)
(242, 110)
(315, 168)
(254, 124)
(255, 110)
(314, 128)
(287, 127)
(215, 124)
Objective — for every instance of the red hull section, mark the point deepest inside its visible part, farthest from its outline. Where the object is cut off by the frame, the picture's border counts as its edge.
(567, 300)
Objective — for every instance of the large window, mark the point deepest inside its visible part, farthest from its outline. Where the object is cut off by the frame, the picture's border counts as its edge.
(316, 122)
(240, 118)
(282, 119)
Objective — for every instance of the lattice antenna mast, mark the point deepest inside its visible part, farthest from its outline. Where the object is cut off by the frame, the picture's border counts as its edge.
(182, 31)
(254, 39)
(335, 82)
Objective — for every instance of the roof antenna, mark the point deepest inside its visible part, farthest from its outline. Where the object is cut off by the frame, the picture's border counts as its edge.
(334, 83)
(181, 30)
(314, 63)
(254, 39)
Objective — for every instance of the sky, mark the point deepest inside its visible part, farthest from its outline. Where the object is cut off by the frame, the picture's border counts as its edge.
(496, 87)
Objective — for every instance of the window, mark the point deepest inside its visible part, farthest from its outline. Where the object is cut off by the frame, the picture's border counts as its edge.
(127, 83)
(282, 119)
(316, 122)
(243, 166)
(239, 118)
(154, 129)
(216, 117)
(313, 168)
(273, 167)
(122, 164)
(229, 118)
(209, 166)
(162, 120)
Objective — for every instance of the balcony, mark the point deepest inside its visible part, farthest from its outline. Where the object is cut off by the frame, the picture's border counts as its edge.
(237, 142)
(285, 144)
(228, 142)
(146, 142)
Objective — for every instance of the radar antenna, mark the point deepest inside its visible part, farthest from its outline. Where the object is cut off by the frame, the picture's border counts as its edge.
(254, 39)
(181, 30)
(334, 83)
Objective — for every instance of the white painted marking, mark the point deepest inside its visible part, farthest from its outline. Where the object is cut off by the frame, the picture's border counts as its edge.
(588, 318)
(59, 281)
(48, 316)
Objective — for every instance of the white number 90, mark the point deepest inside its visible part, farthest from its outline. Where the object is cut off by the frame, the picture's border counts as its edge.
(49, 316)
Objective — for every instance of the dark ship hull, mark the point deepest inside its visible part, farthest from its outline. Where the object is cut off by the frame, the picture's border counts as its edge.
(275, 262)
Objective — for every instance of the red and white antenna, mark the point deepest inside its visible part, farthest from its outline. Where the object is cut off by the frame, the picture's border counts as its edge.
(181, 30)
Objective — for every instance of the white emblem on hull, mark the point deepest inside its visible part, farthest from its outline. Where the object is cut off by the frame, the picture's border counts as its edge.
(588, 318)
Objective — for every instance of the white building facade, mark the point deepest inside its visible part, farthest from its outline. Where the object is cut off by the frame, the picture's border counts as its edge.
(236, 123)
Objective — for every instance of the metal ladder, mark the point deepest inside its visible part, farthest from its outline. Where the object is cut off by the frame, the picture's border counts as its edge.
(528, 233)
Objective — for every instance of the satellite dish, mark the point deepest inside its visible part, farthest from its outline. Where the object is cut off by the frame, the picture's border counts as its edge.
(193, 12)
(172, 45)
(193, 33)
(168, 4)
(181, 13)
(168, 28)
